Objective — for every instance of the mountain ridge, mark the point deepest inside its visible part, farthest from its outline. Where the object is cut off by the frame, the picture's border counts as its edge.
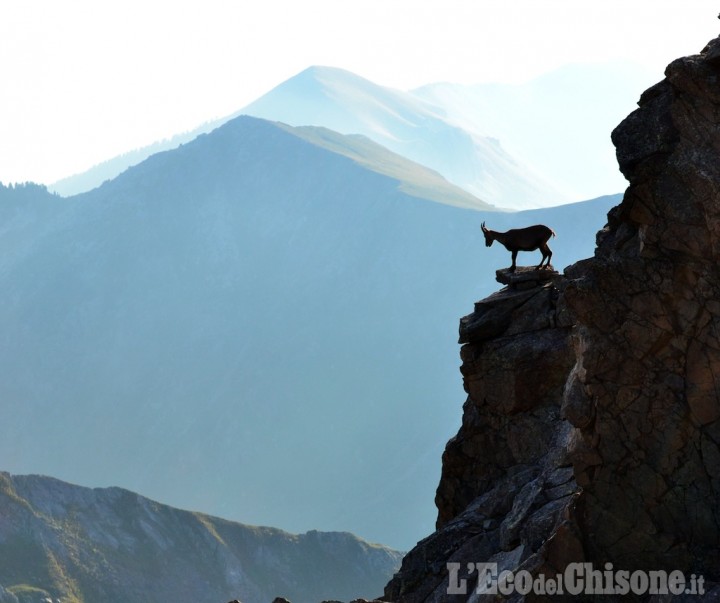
(553, 122)
(109, 544)
(245, 309)
(415, 179)
(417, 128)
(347, 103)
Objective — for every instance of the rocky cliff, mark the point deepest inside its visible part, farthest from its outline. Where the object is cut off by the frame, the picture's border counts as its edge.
(61, 543)
(591, 431)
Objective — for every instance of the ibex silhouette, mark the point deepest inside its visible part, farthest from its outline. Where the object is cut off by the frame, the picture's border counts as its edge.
(522, 239)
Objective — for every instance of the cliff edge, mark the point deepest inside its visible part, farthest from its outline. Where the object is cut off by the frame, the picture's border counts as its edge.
(591, 430)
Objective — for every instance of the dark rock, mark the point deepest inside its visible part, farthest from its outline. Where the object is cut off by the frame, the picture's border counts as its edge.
(648, 336)
(591, 431)
(505, 476)
(525, 277)
(493, 315)
(514, 382)
(577, 406)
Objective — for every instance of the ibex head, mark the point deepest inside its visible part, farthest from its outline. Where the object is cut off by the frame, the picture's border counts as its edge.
(488, 237)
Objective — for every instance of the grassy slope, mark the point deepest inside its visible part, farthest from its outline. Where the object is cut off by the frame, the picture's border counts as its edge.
(415, 179)
(85, 545)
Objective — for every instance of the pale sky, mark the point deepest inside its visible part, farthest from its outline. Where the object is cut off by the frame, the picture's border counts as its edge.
(86, 80)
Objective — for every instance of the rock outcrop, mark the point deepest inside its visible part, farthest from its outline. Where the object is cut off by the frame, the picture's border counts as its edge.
(591, 431)
(507, 480)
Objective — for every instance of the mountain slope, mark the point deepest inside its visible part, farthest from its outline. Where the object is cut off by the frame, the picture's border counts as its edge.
(74, 184)
(404, 123)
(555, 126)
(82, 545)
(347, 103)
(250, 325)
(414, 179)
(559, 123)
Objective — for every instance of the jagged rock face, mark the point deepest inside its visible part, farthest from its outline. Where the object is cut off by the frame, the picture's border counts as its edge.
(591, 431)
(648, 336)
(507, 414)
(507, 483)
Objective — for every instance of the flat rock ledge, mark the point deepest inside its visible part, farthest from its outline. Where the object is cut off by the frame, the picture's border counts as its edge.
(527, 303)
(525, 277)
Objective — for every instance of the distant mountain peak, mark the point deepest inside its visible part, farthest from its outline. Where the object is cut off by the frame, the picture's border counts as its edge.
(403, 122)
(410, 126)
(320, 71)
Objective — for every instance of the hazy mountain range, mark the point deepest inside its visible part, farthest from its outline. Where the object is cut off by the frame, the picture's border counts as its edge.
(542, 143)
(400, 121)
(257, 325)
(559, 123)
(66, 543)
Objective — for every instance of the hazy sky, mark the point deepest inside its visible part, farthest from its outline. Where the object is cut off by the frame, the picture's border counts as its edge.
(85, 80)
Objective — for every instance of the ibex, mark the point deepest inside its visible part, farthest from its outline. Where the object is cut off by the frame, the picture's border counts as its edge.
(522, 239)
